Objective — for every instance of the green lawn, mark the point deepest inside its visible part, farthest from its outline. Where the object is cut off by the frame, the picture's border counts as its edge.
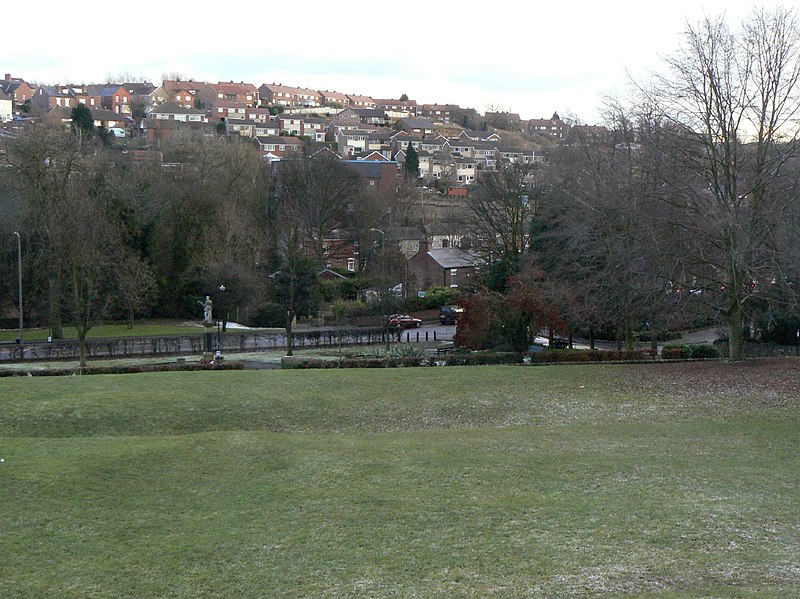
(666, 480)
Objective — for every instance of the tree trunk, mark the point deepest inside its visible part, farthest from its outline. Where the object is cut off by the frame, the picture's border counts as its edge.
(289, 340)
(628, 336)
(735, 342)
(82, 349)
(54, 306)
(591, 338)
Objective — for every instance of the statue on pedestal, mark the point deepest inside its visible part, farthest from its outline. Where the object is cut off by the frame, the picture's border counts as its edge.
(208, 320)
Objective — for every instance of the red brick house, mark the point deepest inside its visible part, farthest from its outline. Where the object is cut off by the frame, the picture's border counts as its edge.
(18, 91)
(443, 267)
(277, 147)
(116, 98)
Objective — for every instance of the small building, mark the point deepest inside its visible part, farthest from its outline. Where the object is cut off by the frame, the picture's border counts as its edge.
(443, 267)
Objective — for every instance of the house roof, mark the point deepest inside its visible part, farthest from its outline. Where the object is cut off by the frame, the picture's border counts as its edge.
(174, 108)
(455, 258)
(369, 169)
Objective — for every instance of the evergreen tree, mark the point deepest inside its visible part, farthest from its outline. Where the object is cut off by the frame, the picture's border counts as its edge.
(82, 120)
(412, 162)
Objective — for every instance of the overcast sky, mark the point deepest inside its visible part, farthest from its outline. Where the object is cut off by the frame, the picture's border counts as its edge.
(528, 58)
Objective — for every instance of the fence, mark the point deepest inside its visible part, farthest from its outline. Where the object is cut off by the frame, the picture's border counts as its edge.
(188, 344)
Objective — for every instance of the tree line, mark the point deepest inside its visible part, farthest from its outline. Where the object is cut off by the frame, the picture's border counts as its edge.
(682, 210)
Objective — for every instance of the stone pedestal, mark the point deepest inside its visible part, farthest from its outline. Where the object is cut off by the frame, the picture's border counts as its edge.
(208, 338)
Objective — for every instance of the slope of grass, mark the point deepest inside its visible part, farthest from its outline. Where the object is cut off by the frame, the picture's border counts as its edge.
(658, 481)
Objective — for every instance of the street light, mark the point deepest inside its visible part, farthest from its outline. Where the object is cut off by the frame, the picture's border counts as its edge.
(19, 280)
(385, 291)
(219, 319)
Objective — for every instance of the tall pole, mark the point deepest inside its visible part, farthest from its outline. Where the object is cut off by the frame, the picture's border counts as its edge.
(385, 290)
(19, 280)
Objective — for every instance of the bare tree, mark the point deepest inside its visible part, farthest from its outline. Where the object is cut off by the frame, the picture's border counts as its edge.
(733, 100)
(502, 207)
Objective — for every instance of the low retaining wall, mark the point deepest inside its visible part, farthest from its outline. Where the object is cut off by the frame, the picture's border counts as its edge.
(189, 344)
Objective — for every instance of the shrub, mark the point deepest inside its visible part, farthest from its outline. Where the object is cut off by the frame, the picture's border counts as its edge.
(676, 352)
(705, 352)
(271, 315)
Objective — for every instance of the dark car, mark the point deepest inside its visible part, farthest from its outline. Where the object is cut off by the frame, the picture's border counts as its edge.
(404, 321)
(450, 314)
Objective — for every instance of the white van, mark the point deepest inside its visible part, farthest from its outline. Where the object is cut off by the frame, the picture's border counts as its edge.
(116, 131)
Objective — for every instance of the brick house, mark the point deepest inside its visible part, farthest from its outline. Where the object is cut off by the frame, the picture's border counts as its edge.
(380, 177)
(277, 147)
(423, 127)
(443, 267)
(334, 98)
(116, 98)
(241, 93)
(18, 91)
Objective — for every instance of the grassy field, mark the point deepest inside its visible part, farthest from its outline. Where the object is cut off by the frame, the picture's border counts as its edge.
(664, 480)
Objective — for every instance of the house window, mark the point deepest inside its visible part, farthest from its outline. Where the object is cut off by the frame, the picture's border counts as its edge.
(453, 273)
(351, 264)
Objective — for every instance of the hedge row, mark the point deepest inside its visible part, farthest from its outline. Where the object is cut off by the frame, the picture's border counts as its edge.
(132, 369)
(471, 359)
(686, 352)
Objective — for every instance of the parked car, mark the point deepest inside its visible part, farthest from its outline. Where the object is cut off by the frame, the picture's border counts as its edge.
(450, 314)
(404, 321)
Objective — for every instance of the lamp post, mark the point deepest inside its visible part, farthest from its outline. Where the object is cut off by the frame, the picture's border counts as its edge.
(219, 319)
(19, 281)
(385, 290)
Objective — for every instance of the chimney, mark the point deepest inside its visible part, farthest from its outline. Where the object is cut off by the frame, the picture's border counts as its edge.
(8, 77)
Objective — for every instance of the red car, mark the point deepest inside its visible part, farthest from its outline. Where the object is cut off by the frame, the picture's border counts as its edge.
(404, 321)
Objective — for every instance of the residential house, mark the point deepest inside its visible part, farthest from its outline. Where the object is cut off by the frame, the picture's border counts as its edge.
(443, 267)
(316, 128)
(340, 250)
(401, 139)
(266, 129)
(275, 148)
(356, 101)
(241, 127)
(554, 126)
(308, 98)
(227, 109)
(116, 98)
(260, 115)
(437, 112)
(141, 93)
(170, 88)
(273, 94)
(349, 142)
(183, 97)
(380, 177)
(465, 170)
(170, 111)
(419, 126)
(348, 116)
(334, 99)
(519, 155)
(397, 109)
(240, 93)
(373, 117)
(17, 89)
(48, 97)
(6, 107)
(291, 124)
